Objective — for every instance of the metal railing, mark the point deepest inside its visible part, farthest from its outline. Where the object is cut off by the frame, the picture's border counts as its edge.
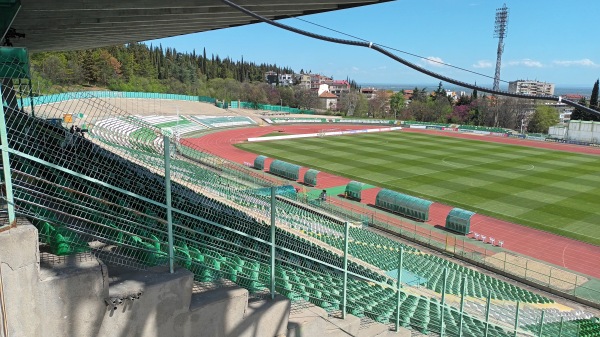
(154, 208)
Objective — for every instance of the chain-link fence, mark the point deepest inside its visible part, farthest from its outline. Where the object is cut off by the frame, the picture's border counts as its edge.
(549, 277)
(131, 195)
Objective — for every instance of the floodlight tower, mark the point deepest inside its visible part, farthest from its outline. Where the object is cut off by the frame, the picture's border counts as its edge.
(500, 33)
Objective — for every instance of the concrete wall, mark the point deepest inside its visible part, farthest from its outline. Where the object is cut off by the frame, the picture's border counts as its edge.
(78, 295)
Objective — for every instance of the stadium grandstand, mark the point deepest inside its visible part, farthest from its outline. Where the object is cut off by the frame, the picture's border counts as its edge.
(117, 227)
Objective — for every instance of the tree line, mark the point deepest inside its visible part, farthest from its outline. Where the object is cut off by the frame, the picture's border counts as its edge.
(139, 67)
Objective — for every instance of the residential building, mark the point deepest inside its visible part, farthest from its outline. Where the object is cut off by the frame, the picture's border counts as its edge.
(316, 80)
(528, 87)
(339, 87)
(369, 93)
(328, 100)
(303, 80)
(286, 79)
(282, 79)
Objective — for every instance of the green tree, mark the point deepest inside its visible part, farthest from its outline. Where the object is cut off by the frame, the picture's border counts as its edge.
(543, 118)
(578, 114)
(397, 103)
(594, 97)
(419, 95)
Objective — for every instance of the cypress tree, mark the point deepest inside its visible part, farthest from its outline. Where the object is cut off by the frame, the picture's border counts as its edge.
(594, 97)
(579, 114)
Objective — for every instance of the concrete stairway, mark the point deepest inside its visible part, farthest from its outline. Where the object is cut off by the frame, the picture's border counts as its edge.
(79, 295)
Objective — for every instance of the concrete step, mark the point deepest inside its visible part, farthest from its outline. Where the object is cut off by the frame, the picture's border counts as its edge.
(372, 329)
(306, 320)
(265, 318)
(338, 327)
(73, 289)
(145, 303)
(216, 309)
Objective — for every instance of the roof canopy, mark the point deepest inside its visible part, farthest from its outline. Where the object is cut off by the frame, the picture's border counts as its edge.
(75, 24)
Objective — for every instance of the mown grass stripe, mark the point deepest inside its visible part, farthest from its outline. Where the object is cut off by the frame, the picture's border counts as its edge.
(541, 188)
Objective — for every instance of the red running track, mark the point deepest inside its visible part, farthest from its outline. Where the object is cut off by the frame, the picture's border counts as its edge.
(572, 254)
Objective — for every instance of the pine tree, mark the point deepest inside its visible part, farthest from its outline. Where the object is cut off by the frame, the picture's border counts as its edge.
(474, 95)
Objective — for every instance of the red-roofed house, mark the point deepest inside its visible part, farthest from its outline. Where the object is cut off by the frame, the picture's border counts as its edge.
(338, 87)
(328, 100)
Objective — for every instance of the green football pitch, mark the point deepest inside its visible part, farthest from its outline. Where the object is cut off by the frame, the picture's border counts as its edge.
(551, 190)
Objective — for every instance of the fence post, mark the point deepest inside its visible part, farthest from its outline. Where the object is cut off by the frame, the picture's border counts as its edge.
(541, 324)
(517, 318)
(443, 302)
(167, 151)
(273, 191)
(398, 286)
(345, 290)
(10, 201)
(560, 328)
(463, 289)
(487, 313)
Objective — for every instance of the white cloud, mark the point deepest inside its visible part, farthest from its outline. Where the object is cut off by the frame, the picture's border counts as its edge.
(527, 63)
(582, 63)
(355, 69)
(434, 61)
(483, 64)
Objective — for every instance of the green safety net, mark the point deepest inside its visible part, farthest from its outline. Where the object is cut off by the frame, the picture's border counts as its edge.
(108, 187)
(14, 62)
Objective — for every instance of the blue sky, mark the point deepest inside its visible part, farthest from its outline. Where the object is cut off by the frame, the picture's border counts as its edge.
(552, 41)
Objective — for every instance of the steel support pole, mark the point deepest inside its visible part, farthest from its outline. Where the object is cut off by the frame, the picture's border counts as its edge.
(541, 331)
(10, 201)
(462, 304)
(560, 328)
(517, 318)
(443, 302)
(345, 290)
(273, 192)
(167, 150)
(398, 287)
(487, 314)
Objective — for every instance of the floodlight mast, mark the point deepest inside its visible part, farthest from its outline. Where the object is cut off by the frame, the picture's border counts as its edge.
(500, 32)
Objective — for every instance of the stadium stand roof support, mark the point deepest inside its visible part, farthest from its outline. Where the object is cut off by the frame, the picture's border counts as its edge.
(73, 24)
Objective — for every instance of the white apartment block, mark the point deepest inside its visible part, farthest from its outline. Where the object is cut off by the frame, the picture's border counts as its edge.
(531, 87)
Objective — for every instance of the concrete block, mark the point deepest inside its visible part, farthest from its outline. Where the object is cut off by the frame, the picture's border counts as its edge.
(306, 321)
(19, 246)
(162, 296)
(71, 294)
(19, 269)
(213, 311)
(264, 318)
